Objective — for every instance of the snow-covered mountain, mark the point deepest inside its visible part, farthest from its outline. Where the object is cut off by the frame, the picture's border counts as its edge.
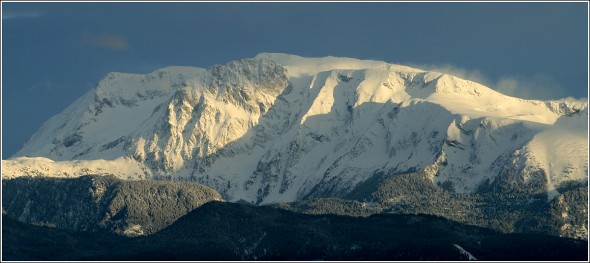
(280, 127)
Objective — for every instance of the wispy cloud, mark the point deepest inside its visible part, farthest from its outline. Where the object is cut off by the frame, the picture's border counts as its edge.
(47, 85)
(105, 41)
(538, 87)
(527, 87)
(473, 75)
(11, 15)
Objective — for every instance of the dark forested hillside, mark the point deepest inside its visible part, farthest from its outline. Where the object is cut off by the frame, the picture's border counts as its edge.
(102, 203)
(229, 231)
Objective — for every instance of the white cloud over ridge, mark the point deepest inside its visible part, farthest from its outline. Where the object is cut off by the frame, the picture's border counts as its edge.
(10, 15)
(539, 86)
(105, 41)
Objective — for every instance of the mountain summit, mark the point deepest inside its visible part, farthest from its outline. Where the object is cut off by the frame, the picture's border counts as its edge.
(280, 127)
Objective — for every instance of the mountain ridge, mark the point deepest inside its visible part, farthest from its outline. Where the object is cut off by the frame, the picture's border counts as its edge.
(281, 128)
(183, 120)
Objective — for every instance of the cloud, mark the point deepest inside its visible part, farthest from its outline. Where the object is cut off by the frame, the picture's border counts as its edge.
(11, 15)
(539, 86)
(574, 100)
(105, 41)
(473, 75)
(47, 85)
(531, 87)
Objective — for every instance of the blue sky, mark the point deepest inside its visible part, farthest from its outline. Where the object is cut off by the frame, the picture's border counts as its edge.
(52, 53)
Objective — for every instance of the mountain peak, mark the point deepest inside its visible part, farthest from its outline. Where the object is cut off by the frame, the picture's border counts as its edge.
(298, 66)
(289, 125)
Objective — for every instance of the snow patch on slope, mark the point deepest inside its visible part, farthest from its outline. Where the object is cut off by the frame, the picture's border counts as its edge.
(465, 252)
(557, 152)
(124, 168)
